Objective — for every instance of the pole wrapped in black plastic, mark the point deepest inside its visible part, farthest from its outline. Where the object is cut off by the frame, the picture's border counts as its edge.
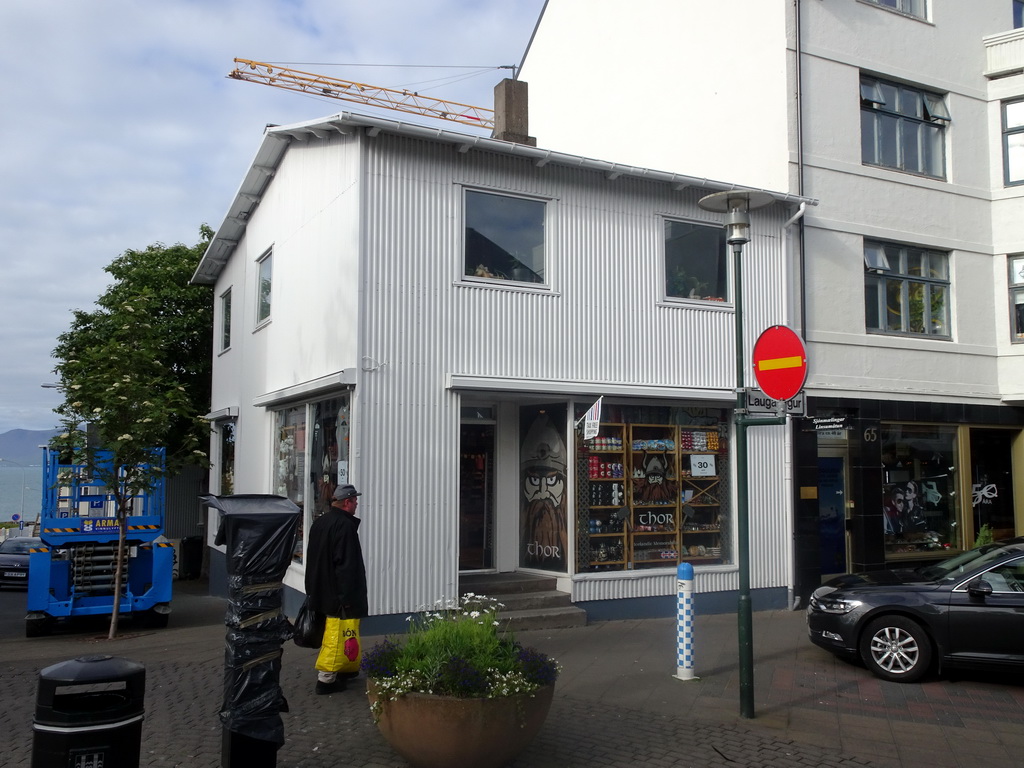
(259, 534)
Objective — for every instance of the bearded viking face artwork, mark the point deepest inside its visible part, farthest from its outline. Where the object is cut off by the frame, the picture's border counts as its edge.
(655, 487)
(543, 532)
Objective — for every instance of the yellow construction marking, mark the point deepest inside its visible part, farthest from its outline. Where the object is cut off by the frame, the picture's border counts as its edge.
(780, 362)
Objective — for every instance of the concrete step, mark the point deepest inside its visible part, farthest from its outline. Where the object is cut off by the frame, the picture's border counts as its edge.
(543, 618)
(531, 602)
(525, 601)
(495, 584)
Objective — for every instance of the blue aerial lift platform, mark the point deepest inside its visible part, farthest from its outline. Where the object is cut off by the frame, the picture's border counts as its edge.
(72, 573)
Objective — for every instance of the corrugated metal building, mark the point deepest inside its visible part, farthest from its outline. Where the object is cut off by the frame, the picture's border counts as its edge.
(427, 314)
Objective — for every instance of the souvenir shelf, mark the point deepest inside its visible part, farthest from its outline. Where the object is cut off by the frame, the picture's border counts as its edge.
(654, 512)
(607, 524)
(701, 484)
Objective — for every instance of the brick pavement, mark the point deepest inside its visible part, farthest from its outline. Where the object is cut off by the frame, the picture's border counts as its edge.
(616, 704)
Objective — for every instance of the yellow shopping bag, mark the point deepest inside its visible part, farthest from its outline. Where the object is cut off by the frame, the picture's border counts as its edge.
(341, 650)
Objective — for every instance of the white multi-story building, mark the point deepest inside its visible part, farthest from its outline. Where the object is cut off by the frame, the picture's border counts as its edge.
(905, 118)
(428, 314)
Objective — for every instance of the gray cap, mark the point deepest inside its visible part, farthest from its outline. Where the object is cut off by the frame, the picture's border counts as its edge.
(343, 492)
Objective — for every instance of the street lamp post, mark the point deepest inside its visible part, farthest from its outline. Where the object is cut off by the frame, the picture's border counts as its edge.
(736, 205)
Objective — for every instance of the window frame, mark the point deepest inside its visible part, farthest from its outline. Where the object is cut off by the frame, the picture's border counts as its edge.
(1017, 130)
(1015, 286)
(266, 261)
(898, 273)
(904, 7)
(724, 263)
(890, 123)
(225, 320)
(499, 278)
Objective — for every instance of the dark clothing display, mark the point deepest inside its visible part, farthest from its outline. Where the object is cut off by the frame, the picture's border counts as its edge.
(335, 574)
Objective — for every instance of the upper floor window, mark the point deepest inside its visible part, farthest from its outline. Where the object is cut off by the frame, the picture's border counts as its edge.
(1017, 298)
(504, 237)
(696, 266)
(906, 290)
(225, 320)
(910, 7)
(1018, 14)
(263, 287)
(902, 127)
(1013, 142)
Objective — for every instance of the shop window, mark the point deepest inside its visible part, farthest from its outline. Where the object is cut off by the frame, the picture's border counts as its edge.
(226, 453)
(309, 479)
(906, 290)
(696, 266)
(225, 320)
(290, 458)
(902, 127)
(920, 508)
(1016, 281)
(263, 288)
(504, 238)
(654, 490)
(916, 8)
(992, 483)
(1013, 142)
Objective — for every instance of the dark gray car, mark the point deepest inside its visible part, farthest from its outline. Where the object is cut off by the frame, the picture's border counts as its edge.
(967, 611)
(14, 560)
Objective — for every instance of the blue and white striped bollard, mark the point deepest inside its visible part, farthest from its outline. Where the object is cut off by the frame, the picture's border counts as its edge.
(684, 620)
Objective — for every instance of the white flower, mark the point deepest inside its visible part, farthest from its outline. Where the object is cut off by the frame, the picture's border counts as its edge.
(125, 437)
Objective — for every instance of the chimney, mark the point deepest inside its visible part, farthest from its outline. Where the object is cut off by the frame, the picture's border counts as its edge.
(511, 112)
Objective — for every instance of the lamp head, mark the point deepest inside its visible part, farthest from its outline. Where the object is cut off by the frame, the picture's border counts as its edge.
(737, 222)
(736, 204)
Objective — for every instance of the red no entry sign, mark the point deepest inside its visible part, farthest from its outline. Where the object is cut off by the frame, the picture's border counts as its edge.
(780, 363)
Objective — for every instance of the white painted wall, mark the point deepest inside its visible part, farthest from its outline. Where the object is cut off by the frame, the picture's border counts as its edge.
(682, 85)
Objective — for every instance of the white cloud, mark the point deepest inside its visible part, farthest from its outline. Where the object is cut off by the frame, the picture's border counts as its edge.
(121, 129)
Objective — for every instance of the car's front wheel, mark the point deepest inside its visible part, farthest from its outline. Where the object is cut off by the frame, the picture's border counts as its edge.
(896, 648)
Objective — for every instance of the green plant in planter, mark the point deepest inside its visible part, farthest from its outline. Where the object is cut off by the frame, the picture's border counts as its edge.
(984, 536)
(456, 649)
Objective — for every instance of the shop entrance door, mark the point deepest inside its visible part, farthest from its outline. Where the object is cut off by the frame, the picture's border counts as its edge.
(832, 513)
(476, 497)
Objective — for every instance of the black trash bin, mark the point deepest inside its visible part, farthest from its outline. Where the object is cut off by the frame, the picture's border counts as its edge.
(258, 532)
(89, 714)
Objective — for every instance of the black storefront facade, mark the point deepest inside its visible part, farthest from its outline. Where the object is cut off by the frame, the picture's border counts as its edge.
(895, 484)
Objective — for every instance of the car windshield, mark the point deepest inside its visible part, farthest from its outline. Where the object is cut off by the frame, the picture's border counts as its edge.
(18, 546)
(952, 569)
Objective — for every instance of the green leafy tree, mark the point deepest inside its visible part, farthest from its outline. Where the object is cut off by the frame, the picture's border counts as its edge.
(135, 373)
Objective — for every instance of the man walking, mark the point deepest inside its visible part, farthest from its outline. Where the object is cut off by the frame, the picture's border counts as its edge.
(336, 581)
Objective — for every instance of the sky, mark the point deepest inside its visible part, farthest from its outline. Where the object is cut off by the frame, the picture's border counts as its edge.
(121, 129)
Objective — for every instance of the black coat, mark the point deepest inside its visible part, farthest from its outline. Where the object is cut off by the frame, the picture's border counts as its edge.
(335, 574)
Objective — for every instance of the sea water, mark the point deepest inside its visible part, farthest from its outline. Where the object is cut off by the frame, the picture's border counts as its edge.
(20, 492)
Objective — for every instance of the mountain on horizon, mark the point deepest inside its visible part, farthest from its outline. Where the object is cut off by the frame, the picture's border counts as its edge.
(21, 446)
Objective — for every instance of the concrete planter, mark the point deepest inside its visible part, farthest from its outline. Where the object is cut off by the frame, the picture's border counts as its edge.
(445, 731)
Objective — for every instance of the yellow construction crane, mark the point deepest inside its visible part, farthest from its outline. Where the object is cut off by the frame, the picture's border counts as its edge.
(374, 95)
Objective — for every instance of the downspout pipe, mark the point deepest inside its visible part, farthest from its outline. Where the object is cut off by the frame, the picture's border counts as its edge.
(793, 601)
(787, 450)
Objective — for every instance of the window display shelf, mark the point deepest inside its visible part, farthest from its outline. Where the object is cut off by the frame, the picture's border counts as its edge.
(662, 484)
